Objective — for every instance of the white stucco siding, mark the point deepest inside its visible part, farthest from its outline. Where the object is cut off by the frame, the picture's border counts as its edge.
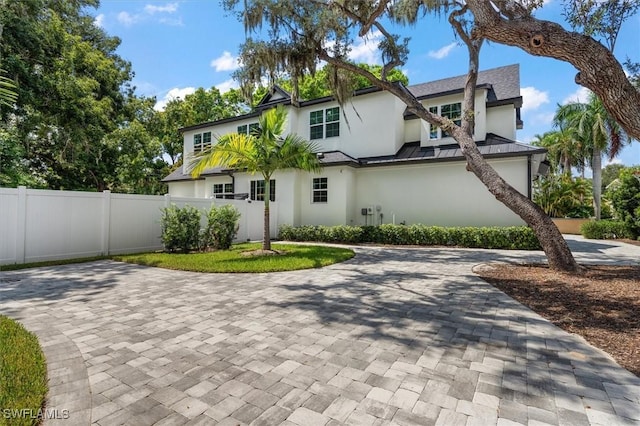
(412, 129)
(501, 120)
(339, 197)
(373, 126)
(182, 189)
(442, 194)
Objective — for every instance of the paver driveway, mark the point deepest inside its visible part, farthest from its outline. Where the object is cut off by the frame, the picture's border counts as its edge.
(400, 336)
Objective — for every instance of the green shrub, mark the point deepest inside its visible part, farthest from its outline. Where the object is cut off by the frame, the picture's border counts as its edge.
(605, 229)
(516, 237)
(625, 198)
(180, 228)
(222, 227)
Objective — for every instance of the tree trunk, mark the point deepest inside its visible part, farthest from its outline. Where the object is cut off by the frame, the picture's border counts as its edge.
(598, 69)
(553, 243)
(596, 165)
(266, 232)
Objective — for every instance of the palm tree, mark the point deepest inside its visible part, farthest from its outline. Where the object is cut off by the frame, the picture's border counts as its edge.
(264, 151)
(563, 149)
(598, 132)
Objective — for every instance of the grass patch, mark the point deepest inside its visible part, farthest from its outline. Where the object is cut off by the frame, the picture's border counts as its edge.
(23, 371)
(294, 257)
(17, 266)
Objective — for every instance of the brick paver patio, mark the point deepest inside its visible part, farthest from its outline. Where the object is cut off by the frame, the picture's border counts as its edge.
(394, 336)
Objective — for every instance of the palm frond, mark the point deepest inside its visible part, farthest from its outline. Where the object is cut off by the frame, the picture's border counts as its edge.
(8, 95)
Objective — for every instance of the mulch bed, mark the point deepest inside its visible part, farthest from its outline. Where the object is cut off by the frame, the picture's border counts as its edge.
(601, 303)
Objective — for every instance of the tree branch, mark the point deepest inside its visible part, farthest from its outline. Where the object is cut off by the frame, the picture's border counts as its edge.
(598, 69)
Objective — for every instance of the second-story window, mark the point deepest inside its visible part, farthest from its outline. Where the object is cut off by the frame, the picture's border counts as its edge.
(324, 123)
(451, 111)
(201, 141)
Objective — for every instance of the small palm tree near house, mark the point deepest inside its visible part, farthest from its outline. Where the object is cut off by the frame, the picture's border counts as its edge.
(264, 151)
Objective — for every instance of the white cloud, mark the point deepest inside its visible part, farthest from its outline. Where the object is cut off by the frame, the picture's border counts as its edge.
(366, 49)
(226, 62)
(443, 52)
(532, 98)
(580, 95)
(227, 85)
(175, 93)
(543, 119)
(98, 21)
(127, 19)
(168, 8)
(613, 161)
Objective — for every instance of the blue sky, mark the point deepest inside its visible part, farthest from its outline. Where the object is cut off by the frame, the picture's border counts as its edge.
(178, 46)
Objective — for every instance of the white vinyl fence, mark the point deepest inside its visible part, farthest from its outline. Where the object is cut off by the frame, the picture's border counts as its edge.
(38, 225)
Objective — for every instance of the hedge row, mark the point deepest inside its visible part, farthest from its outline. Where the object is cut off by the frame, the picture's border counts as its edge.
(605, 229)
(514, 237)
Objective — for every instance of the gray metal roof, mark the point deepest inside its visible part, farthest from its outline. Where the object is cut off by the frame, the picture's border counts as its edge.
(493, 146)
(504, 83)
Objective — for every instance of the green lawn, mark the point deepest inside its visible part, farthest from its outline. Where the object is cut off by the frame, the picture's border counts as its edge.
(23, 374)
(294, 257)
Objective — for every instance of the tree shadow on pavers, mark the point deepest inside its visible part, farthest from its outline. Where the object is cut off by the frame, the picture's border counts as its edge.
(588, 246)
(464, 319)
(370, 256)
(80, 282)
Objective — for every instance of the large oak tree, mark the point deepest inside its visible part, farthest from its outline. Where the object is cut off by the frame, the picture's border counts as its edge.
(300, 33)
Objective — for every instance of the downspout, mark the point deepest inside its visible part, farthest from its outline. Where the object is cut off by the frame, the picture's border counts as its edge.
(233, 183)
(529, 183)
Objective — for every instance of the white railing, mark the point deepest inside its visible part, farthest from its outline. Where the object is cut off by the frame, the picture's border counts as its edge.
(38, 225)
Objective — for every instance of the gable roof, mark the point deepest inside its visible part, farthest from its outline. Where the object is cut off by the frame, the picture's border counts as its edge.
(275, 95)
(503, 83)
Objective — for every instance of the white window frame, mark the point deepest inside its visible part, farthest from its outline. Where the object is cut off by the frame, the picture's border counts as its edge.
(436, 132)
(227, 189)
(321, 187)
(329, 119)
(201, 141)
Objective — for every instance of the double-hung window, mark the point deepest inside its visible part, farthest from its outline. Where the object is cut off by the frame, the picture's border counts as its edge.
(257, 190)
(201, 141)
(324, 123)
(451, 111)
(222, 190)
(320, 190)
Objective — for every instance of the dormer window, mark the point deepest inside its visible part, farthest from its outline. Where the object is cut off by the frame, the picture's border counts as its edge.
(451, 111)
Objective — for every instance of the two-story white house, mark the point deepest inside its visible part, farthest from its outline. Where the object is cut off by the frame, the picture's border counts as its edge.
(381, 163)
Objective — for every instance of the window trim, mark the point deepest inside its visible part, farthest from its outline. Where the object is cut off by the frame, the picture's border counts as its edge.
(246, 129)
(227, 189)
(253, 190)
(323, 183)
(201, 141)
(324, 123)
(439, 133)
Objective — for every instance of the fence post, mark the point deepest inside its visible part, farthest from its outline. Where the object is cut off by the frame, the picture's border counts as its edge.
(167, 200)
(106, 221)
(21, 226)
